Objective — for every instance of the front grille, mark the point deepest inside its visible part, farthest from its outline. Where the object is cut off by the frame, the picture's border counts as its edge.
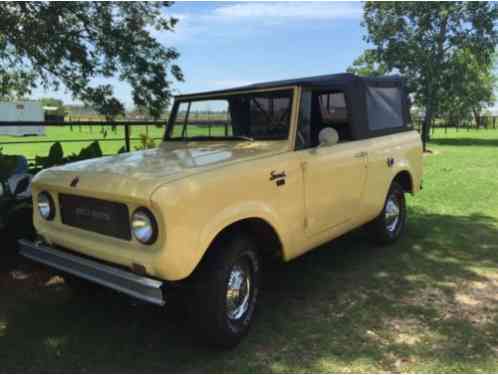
(95, 215)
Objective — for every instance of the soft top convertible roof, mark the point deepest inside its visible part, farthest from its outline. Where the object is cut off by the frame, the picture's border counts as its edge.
(377, 105)
(325, 81)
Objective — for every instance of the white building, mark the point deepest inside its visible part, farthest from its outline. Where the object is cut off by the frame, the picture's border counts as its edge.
(21, 111)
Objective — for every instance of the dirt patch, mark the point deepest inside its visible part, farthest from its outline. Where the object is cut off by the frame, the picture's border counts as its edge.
(473, 301)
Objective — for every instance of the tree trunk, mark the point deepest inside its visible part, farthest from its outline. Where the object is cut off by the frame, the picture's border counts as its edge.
(477, 118)
(432, 88)
(426, 128)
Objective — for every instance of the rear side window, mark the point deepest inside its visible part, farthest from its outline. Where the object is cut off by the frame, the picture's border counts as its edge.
(384, 106)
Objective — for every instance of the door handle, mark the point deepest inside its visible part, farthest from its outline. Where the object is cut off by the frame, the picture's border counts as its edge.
(275, 175)
(361, 154)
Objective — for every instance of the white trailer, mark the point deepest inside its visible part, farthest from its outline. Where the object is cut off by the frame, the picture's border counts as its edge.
(21, 111)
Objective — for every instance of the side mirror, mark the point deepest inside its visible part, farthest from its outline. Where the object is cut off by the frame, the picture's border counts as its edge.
(328, 137)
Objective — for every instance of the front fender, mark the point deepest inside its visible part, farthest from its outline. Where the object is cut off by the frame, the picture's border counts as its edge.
(197, 221)
(234, 214)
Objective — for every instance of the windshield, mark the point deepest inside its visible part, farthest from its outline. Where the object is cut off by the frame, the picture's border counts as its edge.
(253, 116)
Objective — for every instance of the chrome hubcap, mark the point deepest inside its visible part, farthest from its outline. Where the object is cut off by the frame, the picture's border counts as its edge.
(238, 291)
(392, 213)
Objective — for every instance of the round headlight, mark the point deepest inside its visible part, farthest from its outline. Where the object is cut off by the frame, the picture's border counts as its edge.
(46, 206)
(144, 226)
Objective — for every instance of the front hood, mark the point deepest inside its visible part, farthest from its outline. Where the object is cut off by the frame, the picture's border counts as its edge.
(138, 174)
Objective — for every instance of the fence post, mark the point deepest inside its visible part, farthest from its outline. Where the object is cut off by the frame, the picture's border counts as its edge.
(127, 137)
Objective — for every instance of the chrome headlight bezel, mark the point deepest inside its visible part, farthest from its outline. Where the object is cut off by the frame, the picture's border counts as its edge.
(46, 206)
(144, 226)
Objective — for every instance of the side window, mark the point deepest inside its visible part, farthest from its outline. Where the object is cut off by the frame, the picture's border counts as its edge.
(385, 109)
(331, 110)
(320, 110)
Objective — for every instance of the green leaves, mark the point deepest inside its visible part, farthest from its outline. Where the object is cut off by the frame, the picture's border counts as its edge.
(368, 65)
(146, 142)
(56, 155)
(71, 44)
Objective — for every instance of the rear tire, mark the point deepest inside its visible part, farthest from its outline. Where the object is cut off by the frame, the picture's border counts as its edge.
(225, 291)
(388, 227)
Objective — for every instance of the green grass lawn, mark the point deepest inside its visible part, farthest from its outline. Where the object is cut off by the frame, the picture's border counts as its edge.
(427, 304)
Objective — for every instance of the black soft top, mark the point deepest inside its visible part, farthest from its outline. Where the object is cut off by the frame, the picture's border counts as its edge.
(325, 81)
(377, 105)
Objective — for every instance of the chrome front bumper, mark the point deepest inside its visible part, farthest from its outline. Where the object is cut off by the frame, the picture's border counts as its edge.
(140, 287)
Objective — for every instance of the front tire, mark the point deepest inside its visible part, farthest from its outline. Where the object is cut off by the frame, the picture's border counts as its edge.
(225, 291)
(388, 227)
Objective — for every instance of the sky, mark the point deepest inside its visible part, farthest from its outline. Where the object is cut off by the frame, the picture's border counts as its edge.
(227, 44)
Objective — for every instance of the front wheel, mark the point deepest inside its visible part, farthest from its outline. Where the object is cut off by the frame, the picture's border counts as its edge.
(388, 227)
(226, 290)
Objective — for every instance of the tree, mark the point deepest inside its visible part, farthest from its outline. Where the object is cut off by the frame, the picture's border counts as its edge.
(423, 41)
(72, 43)
(104, 103)
(473, 90)
(56, 105)
(368, 65)
(51, 102)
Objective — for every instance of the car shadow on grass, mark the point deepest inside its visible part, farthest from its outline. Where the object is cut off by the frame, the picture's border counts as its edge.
(426, 304)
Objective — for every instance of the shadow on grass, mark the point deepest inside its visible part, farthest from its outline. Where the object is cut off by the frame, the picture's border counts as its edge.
(465, 142)
(347, 305)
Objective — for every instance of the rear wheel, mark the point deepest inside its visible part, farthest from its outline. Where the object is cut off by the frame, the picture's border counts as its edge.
(226, 290)
(391, 222)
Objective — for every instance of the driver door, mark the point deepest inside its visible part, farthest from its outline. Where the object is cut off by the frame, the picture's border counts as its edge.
(334, 176)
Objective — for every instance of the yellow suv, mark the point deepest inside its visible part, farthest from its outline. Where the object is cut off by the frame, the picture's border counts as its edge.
(267, 170)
